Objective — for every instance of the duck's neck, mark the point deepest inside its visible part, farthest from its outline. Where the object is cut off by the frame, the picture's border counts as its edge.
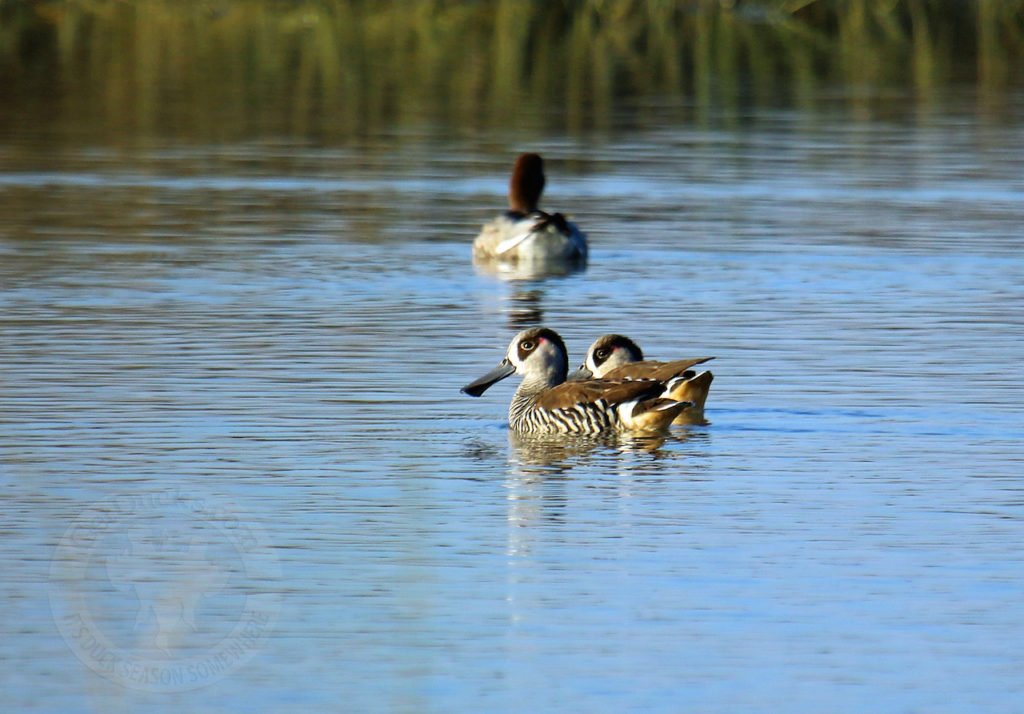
(526, 184)
(531, 388)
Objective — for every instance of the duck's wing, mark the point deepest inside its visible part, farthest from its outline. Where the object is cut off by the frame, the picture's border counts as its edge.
(651, 369)
(613, 392)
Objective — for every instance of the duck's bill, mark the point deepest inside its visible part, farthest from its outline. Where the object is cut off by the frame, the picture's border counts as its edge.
(479, 386)
(580, 374)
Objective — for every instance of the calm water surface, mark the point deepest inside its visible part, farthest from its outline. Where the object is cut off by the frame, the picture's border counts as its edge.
(230, 390)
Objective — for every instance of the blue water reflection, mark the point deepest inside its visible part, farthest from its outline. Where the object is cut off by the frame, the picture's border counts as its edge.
(279, 331)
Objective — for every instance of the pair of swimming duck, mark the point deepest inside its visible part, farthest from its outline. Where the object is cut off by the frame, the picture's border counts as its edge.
(615, 389)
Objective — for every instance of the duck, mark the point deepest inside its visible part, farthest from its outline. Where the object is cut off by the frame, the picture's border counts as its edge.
(524, 232)
(615, 356)
(545, 403)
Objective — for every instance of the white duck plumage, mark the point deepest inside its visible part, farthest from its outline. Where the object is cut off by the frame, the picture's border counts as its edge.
(524, 232)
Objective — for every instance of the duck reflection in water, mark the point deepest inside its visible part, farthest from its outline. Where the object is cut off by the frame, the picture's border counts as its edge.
(525, 307)
(541, 488)
(545, 454)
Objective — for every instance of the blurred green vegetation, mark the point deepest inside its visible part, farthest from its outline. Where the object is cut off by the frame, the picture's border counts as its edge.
(347, 67)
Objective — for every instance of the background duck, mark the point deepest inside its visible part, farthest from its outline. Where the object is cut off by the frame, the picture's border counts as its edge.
(524, 232)
(618, 357)
(546, 403)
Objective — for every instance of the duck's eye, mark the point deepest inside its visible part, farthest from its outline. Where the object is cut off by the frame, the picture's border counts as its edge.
(602, 353)
(526, 345)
